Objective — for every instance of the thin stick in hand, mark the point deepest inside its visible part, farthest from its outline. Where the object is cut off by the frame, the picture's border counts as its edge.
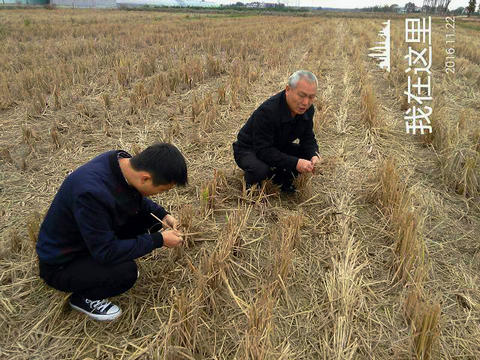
(160, 220)
(164, 223)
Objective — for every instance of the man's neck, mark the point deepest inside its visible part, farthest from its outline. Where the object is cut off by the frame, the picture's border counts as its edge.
(126, 169)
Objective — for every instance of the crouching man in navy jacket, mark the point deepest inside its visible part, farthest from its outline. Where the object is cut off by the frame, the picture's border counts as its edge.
(99, 222)
(265, 145)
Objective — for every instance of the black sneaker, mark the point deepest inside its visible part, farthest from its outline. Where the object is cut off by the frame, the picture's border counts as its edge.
(284, 179)
(97, 309)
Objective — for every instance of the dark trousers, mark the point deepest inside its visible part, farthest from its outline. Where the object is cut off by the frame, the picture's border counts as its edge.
(255, 170)
(85, 277)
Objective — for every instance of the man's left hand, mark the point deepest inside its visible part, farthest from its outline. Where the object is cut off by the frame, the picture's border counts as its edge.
(314, 161)
(171, 221)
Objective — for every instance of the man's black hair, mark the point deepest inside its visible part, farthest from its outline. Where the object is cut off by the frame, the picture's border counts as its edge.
(164, 162)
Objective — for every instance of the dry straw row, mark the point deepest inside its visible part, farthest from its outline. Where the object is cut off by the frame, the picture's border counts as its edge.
(410, 266)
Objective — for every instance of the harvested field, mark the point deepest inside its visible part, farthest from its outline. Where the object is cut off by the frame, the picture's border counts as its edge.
(377, 257)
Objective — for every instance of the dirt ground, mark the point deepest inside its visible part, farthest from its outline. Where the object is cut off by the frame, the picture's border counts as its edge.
(376, 256)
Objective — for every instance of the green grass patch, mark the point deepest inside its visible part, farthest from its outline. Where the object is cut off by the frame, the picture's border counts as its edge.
(472, 25)
(469, 25)
(3, 31)
(218, 16)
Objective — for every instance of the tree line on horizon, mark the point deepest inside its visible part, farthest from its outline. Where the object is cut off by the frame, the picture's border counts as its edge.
(410, 7)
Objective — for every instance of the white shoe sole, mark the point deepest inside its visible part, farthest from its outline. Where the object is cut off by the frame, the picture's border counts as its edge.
(98, 317)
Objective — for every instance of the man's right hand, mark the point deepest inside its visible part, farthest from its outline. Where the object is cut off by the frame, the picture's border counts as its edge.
(304, 166)
(172, 238)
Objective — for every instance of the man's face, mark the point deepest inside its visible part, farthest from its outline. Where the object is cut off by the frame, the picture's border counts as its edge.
(300, 98)
(148, 189)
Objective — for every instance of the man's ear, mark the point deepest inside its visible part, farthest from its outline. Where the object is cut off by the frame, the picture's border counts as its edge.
(145, 177)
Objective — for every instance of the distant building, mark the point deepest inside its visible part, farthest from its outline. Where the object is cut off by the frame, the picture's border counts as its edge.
(117, 3)
(263, 5)
(274, 5)
(182, 3)
(24, 2)
(112, 3)
(85, 3)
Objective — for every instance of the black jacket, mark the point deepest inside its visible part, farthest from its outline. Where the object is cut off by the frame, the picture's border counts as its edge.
(92, 207)
(271, 127)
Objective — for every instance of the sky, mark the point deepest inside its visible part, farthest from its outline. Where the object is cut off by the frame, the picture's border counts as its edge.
(346, 4)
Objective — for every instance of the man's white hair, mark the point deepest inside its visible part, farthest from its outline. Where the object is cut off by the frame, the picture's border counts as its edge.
(302, 74)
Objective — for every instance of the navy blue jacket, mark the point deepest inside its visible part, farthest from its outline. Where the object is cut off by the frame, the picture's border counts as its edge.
(271, 127)
(97, 213)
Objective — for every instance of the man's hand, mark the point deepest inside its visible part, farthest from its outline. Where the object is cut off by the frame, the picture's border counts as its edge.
(171, 221)
(172, 238)
(304, 166)
(315, 160)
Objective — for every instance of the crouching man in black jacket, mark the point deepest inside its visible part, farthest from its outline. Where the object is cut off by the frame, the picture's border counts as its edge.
(99, 222)
(265, 145)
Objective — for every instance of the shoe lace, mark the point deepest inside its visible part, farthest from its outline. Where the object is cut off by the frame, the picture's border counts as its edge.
(99, 305)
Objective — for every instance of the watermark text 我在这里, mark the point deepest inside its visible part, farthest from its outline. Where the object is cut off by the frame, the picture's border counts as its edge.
(417, 117)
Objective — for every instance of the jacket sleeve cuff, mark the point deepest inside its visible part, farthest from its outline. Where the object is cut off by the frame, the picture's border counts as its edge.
(157, 239)
(292, 163)
(160, 213)
(312, 154)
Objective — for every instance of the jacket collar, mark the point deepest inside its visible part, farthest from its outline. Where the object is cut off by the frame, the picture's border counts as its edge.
(115, 166)
(284, 109)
